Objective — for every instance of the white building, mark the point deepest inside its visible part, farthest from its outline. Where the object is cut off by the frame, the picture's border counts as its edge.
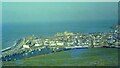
(70, 43)
(52, 43)
(26, 46)
(37, 44)
(60, 43)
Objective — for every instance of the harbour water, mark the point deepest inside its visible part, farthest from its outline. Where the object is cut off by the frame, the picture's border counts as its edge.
(70, 20)
(13, 32)
(100, 55)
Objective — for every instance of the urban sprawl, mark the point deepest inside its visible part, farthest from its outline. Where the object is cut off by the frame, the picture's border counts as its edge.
(61, 41)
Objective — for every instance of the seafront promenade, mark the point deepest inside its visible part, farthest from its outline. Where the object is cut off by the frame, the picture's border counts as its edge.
(31, 45)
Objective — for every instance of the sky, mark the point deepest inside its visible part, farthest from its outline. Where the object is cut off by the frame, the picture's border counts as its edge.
(56, 12)
(59, 0)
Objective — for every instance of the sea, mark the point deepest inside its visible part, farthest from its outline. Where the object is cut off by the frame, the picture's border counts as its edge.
(13, 32)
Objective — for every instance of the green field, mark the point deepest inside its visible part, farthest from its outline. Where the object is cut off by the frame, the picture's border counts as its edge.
(80, 57)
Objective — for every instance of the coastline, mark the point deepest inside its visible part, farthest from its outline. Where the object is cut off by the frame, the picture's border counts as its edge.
(61, 42)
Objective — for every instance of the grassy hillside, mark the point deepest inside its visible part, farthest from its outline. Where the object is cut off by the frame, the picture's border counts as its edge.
(83, 57)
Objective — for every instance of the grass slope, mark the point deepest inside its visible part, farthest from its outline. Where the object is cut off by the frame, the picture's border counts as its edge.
(88, 57)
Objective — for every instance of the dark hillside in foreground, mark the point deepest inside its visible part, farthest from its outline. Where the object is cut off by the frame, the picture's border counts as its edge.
(78, 57)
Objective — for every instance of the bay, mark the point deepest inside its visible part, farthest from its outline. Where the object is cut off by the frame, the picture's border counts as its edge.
(13, 32)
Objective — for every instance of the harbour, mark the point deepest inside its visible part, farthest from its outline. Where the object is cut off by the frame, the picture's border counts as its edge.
(32, 46)
(60, 34)
(74, 57)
